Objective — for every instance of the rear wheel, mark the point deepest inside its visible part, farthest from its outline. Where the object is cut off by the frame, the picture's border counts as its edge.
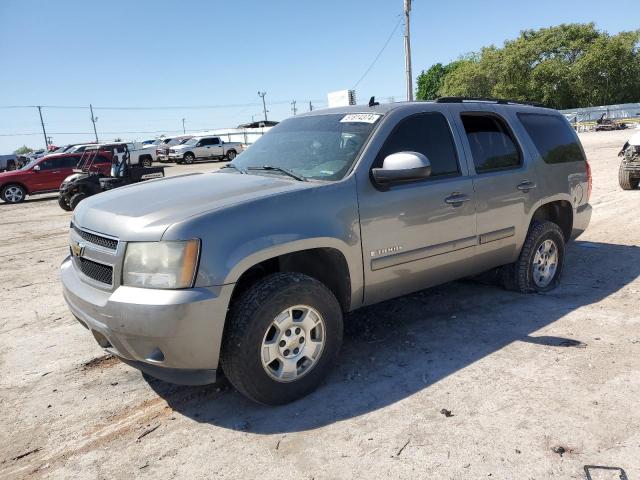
(281, 338)
(147, 162)
(189, 158)
(76, 199)
(13, 194)
(541, 260)
(626, 180)
(64, 204)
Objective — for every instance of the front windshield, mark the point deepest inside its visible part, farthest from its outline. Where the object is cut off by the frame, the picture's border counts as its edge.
(30, 164)
(320, 147)
(191, 142)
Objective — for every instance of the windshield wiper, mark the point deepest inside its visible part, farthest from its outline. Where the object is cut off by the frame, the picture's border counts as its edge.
(231, 165)
(279, 169)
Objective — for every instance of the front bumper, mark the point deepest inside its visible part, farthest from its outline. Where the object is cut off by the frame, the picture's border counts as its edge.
(175, 156)
(581, 219)
(174, 335)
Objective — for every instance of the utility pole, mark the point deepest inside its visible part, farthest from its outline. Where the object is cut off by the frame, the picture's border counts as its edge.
(407, 50)
(310, 106)
(293, 107)
(94, 120)
(264, 105)
(183, 130)
(46, 142)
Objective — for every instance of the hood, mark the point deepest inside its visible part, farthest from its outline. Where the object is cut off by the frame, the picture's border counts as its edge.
(11, 174)
(142, 212)
(180, 147)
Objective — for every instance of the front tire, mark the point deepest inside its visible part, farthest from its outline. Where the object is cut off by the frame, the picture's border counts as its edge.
(189, 158)
(626, 181)
(231, 154)
(539, 266)
(13, 194)
(281, 339)
(76, 199)
(62, 201)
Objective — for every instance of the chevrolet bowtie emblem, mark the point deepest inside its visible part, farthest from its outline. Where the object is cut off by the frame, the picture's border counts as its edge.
(77, 249)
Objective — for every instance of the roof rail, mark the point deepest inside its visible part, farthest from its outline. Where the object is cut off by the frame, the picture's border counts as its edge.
(499, 101)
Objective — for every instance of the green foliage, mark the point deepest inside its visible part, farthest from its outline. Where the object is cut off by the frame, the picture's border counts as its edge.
(570, 65)
(23, 150)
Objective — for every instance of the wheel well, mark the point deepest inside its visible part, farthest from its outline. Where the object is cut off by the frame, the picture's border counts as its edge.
(187, 153)
(146, 155)
(558, 212)
(24, 187)
(327, 265)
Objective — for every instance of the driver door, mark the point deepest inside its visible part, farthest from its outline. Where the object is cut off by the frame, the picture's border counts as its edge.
(422, 233)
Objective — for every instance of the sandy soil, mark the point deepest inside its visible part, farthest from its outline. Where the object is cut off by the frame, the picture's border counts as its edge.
(537, 385)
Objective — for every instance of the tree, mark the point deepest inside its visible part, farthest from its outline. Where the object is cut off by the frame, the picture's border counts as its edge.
(23, 150)
(565, 66)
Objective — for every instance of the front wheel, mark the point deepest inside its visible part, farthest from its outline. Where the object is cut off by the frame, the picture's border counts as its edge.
(231, 154)
(189, 158)
(64, 204)
(541, 260)
(13, 194)
(626, 181)
(281, 338)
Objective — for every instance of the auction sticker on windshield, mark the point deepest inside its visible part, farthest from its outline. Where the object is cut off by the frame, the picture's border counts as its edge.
(360, 118)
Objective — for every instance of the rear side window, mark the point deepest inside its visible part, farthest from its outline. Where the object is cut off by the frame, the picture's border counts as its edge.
(553, 137)
(426, 133)
(492, 145)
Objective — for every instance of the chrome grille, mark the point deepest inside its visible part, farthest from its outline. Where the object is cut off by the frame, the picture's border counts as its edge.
(97, 271)
(99, 240)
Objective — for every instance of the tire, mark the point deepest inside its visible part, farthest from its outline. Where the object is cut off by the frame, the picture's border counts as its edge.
(147, 162)
(76, 199)
(250, 325)
(231, 154)
(525, 274)
(13, 193)
(626, 181)
(62, 201)
(189, 158)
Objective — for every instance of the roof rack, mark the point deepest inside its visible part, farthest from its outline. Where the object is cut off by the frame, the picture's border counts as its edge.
(499, 101)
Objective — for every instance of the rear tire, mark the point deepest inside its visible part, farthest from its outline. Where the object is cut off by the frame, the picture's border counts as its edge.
(147, 162)
(539, 266)
(62, 201)
(13, 193)
(189, 158)
(626, 180)
(76, 199)
(284, 320)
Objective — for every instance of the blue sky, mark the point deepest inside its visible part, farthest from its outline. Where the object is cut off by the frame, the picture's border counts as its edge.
(181, 53)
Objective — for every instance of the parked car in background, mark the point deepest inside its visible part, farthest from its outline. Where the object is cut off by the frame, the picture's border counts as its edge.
(144, 155)
(8, 162)
(43, 175)
(251, 268)
(162, 149)
(204, 148)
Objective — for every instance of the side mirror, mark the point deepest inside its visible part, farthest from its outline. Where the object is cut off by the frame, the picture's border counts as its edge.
(402, 167)
(36, 168)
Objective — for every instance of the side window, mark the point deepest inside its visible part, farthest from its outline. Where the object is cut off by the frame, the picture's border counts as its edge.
(215, 141)
(71, 162)
(426, 133)
(492, 145)
(51, 164)
(553, 137)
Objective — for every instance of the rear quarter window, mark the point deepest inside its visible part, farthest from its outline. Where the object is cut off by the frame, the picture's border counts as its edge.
(553, 137)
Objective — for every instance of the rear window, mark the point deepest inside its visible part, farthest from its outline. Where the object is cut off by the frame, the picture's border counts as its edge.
(553, 137)
(492, 145)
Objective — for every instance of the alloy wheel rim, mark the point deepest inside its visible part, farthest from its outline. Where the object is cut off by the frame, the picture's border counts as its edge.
(293, 343)
(545, 263)
(14, 194)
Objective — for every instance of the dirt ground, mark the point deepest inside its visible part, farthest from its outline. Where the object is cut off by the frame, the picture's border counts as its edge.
(537, 386)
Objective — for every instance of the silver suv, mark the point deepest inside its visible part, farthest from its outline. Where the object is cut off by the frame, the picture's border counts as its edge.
(250, 269)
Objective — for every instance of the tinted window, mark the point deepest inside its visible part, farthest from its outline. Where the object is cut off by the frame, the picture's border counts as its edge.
(426, 133)
(71, 162)
(51, 164)
(215, 141)
(553, 137)
(492, 146)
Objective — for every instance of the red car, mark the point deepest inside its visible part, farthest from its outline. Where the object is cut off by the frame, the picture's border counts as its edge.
(45, 174)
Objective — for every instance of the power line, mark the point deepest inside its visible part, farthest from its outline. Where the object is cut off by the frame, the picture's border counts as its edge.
(379, 53)
(158, 107)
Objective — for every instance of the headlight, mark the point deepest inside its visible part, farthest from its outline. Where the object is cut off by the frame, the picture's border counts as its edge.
(161, 264)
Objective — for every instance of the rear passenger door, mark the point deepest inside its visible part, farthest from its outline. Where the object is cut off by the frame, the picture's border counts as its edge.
(423, 233)
(216, 147)
(504, 181)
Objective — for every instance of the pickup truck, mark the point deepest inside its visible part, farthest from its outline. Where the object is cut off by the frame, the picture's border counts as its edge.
(204, 148)
(251, 268)
(143, 155)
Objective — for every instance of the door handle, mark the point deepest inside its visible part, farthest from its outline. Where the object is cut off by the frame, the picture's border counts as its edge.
(456, 199)
(526, 186)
